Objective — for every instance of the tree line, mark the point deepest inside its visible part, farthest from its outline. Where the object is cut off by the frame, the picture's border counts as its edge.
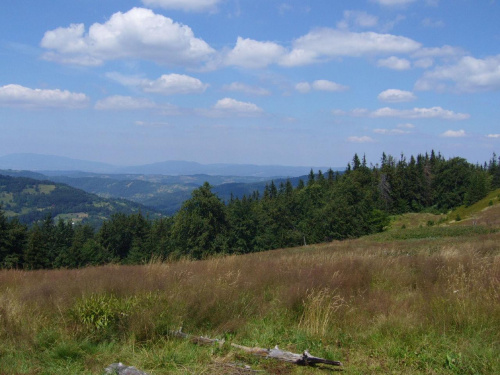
(324, 207)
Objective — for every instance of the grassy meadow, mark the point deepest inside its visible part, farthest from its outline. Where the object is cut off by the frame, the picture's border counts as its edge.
(420, 298)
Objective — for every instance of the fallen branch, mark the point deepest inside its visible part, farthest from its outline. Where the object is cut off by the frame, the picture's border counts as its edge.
(304, 359)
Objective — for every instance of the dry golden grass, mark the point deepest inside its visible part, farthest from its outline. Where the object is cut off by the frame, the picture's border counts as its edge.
(428, 305)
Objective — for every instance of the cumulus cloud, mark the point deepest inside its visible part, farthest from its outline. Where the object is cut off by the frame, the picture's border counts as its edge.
(320, 85)
(454, 134)
(353, 18)
(327, 43)
(363, 139)
(138, 33)
(249, 53)
(396, 96)
(125, 103)
(318, 45)
(303, 87)
(19, 96)
(169, 84)
(395, 63)
(228, 107)
(493, 135)
(185, 5)
(467, 75)
(247, 89)
(228, 104)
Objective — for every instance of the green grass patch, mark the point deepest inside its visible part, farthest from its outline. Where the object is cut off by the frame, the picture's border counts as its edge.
(431, 232)
(475, 209)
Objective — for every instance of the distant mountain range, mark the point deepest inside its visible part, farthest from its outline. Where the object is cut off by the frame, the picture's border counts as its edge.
(50, 163)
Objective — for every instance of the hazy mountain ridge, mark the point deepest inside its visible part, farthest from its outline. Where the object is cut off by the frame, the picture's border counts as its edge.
(46, 163)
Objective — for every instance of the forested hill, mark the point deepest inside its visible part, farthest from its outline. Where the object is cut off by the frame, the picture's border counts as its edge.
(323, 207)
(31, 200)
(161, 193)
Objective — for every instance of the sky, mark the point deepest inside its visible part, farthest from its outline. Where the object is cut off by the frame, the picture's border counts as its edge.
(303, 83)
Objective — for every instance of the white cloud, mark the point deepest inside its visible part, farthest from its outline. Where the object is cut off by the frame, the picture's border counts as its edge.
(396, 96)
(415, 113)
(317, 46)
(320, 85)
(357, 19)
(493, 135)
(237, 106)
(393, 2)
(327, 43)
(185, 5)
(325, 85)
(391, 131)
(395, 63)
(125, 103)
(420, 113)
(424, 63)
(249, 53)
(363, 139)
(251, 90)
(230, 107)
(467, 75)
(19, 96)
(303, 87)
(444, 51)
(138, 33)
(454, 134)
(169, 84)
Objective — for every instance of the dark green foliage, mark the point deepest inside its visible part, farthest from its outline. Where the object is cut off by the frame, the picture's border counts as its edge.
(328, 207)
(201, 226)
(12, 241)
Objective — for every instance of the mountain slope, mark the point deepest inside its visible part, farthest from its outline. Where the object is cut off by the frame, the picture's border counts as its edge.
(31, 200)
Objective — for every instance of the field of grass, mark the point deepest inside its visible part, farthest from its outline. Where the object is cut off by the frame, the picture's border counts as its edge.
(420, 300)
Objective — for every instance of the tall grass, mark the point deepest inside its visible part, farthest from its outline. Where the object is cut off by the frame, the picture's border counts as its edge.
(426, 305)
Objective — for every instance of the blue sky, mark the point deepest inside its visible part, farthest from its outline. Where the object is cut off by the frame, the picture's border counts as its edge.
(249, 81)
